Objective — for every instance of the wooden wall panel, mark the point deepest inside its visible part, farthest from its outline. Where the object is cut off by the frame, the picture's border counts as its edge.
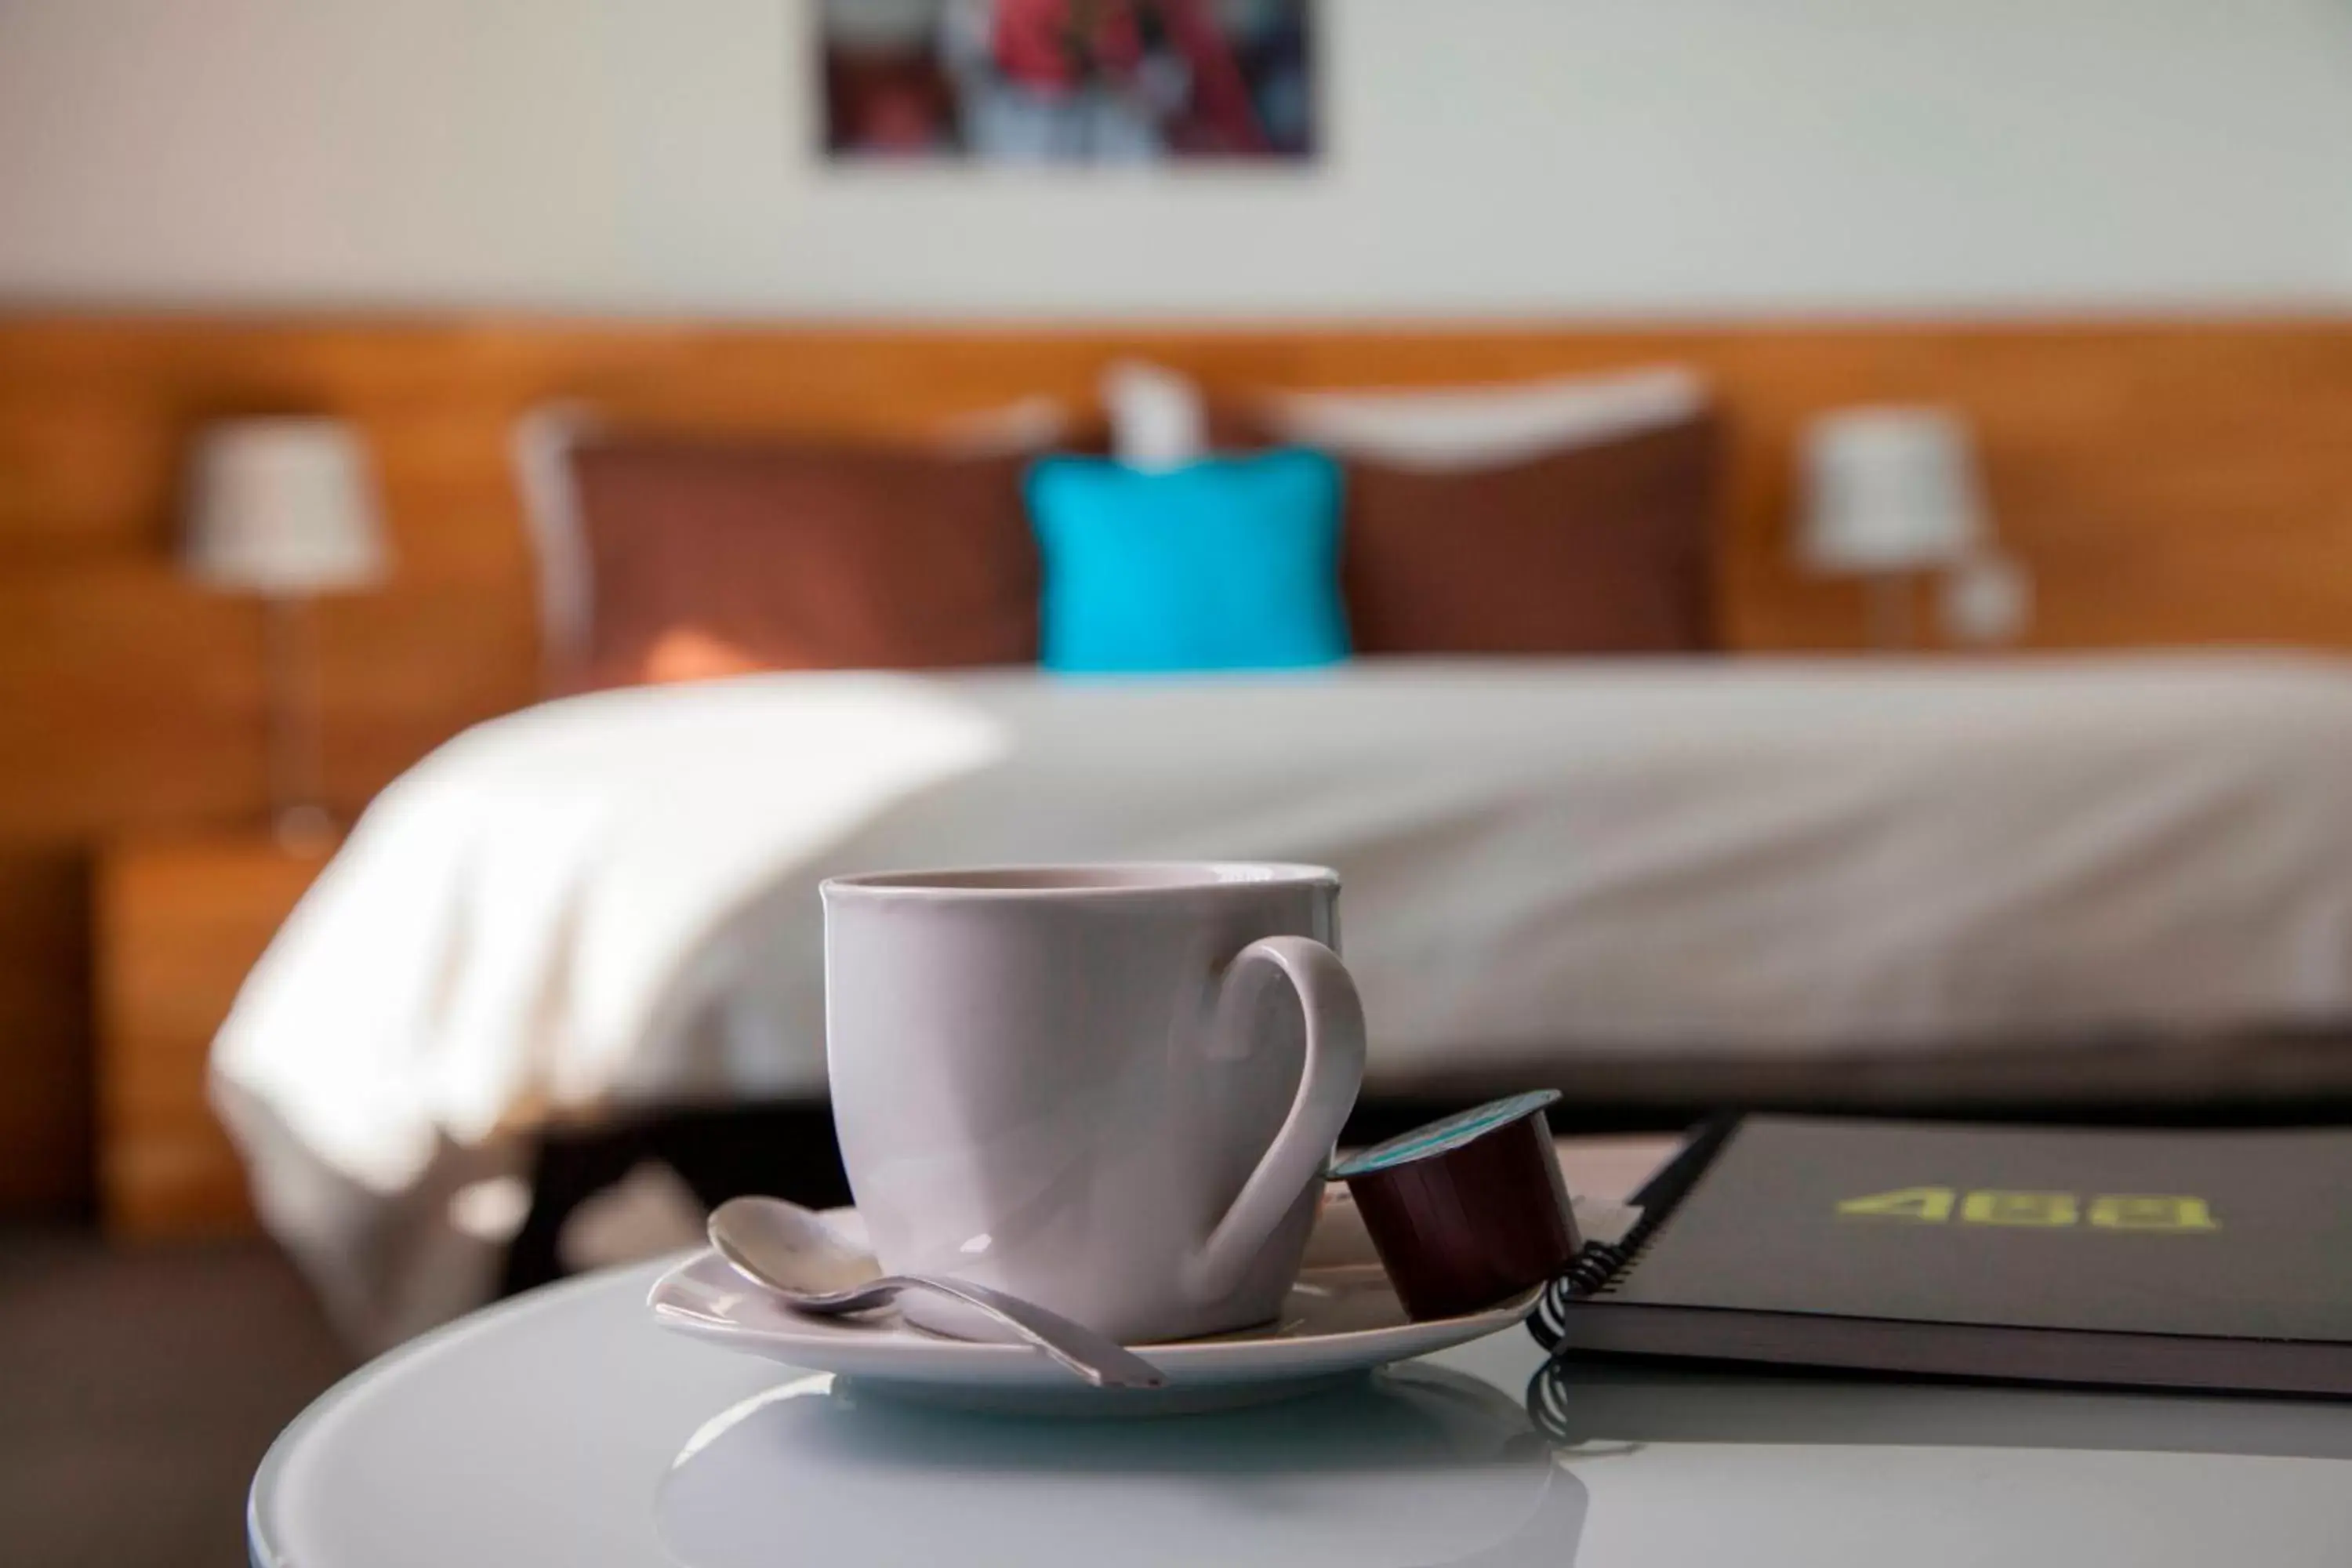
(2167, 482)
(2181, 445)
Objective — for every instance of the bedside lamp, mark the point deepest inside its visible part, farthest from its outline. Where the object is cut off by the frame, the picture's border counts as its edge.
(285, 508)
(1888, 493)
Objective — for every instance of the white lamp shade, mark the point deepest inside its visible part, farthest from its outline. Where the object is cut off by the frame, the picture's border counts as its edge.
(284, 506)
(1889, 489)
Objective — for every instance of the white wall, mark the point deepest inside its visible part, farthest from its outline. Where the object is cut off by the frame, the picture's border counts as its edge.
(1487, 156)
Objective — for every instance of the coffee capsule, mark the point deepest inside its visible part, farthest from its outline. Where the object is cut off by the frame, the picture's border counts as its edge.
(1468, 1211)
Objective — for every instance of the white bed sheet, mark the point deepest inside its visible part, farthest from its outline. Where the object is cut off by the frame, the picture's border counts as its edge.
(610, 900)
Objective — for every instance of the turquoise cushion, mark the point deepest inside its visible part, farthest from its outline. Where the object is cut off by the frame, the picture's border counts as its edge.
(1231, 564)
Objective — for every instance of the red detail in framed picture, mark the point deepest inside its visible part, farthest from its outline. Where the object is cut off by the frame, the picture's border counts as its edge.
(1068, 81)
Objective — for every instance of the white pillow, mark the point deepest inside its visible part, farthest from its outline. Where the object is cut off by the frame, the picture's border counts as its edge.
(1034, 424)
(1157, 417)
(1480, 426)
(540, 449)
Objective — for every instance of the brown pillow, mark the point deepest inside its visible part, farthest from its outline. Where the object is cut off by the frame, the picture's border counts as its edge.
(710, 557)
(1602, 546)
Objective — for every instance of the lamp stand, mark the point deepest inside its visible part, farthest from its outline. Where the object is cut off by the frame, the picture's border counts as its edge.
(1890, 611)
(298, 816)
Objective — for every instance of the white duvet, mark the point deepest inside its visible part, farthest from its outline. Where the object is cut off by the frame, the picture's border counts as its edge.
(612, 899)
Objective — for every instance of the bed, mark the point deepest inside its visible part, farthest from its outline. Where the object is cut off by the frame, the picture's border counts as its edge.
(1555, 871)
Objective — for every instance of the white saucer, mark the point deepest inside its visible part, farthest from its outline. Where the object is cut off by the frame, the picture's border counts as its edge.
(1341, 1318)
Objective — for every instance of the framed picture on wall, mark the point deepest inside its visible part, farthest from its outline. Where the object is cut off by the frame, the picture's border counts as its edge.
(1102, 82)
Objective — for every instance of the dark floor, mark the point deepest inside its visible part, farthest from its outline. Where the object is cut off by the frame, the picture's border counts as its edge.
(137, 1390)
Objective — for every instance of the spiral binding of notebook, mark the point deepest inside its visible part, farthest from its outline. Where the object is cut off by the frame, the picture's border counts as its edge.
(1598, 1265)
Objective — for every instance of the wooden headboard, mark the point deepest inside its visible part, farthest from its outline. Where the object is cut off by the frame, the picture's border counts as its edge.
(2167, 482)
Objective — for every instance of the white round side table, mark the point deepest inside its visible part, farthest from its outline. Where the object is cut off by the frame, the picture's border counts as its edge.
(562, 1428)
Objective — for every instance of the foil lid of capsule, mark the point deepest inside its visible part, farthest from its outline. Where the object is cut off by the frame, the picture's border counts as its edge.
(1444, 1136)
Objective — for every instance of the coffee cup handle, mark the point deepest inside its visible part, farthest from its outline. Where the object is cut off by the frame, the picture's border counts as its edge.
(1326, 1093)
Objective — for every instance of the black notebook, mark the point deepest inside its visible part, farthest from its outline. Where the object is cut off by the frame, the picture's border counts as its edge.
(2187, 1258)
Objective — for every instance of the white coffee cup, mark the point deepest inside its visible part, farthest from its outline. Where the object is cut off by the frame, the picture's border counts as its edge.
(1080, 1084)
